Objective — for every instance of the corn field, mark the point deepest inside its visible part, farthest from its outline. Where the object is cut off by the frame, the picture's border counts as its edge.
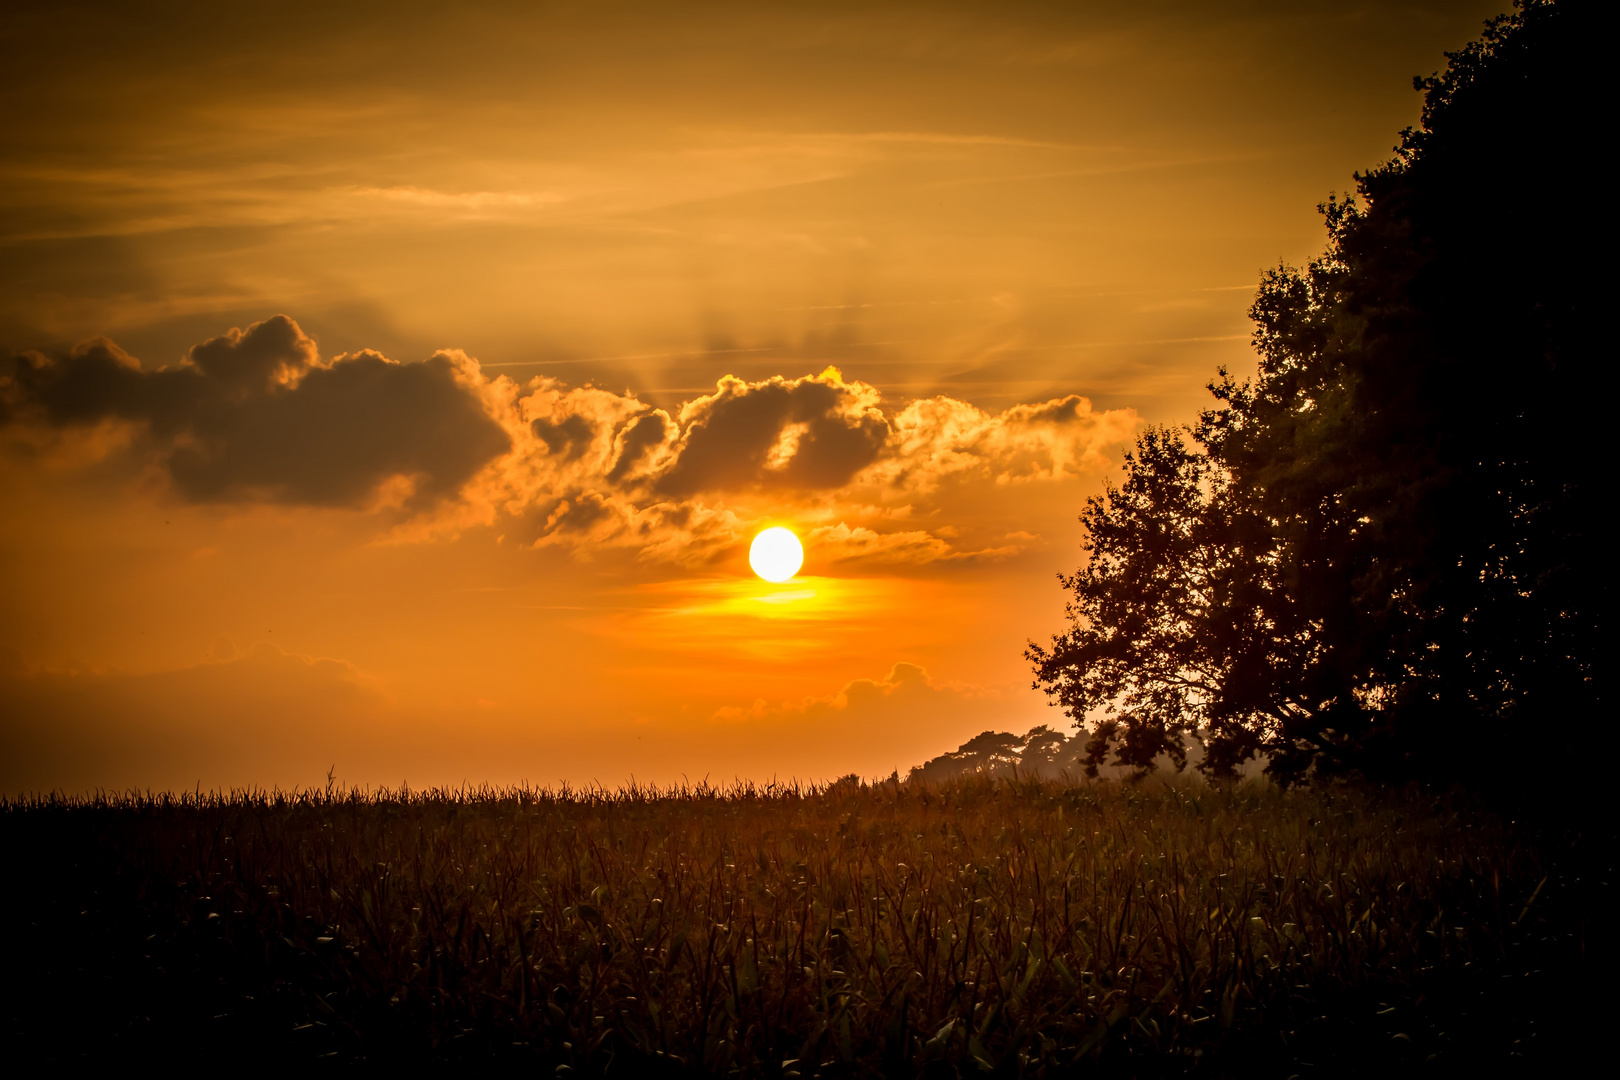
(1003, 928)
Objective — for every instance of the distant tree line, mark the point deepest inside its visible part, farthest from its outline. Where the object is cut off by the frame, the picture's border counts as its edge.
(1380, 555)
(1040, 752)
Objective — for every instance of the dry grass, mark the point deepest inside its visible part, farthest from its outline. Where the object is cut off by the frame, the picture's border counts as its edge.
(988, 927)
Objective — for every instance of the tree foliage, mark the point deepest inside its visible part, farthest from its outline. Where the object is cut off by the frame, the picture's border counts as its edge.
(1380, 554)
(1040, 753)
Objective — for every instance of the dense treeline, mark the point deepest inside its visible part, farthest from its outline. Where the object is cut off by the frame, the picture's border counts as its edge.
(1381, 554)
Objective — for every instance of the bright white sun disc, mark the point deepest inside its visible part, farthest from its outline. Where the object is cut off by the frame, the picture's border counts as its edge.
(776, 554)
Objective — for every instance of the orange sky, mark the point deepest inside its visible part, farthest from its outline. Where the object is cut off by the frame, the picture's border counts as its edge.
(635, 281)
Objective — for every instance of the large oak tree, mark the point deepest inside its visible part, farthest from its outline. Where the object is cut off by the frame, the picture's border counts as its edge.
(1381, 553)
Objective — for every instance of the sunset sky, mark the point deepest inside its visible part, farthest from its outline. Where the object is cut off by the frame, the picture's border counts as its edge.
(397, 389)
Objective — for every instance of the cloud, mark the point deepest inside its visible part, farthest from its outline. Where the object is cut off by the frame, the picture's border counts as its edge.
(264, 714)
(840, 543)
(471, 202)
(617, 472)
(887, 723)
(907, 688)
(268, 717)
(639, 438)
(904, 680)
(808, 434)
(938, 439)
(687, 533)
(257, 415)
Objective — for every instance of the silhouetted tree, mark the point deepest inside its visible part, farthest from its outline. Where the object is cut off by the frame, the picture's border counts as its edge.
(1381, 554)
(1040, 752)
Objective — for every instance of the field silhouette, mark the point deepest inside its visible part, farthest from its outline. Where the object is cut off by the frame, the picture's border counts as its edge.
(982, 927)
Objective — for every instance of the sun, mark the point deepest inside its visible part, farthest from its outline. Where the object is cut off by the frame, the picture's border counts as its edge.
(776, 554)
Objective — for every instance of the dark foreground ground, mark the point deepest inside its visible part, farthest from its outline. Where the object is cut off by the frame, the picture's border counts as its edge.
(984, 929)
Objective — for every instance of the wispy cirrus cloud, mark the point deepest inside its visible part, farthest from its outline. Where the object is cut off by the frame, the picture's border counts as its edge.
(474, 202)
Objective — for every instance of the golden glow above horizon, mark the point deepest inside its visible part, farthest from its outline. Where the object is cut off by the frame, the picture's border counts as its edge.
(776, 554)
(905, 280)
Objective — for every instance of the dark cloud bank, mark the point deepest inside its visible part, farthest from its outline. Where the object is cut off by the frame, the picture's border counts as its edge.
(733, 436)
(259, 415)
(256, 414)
